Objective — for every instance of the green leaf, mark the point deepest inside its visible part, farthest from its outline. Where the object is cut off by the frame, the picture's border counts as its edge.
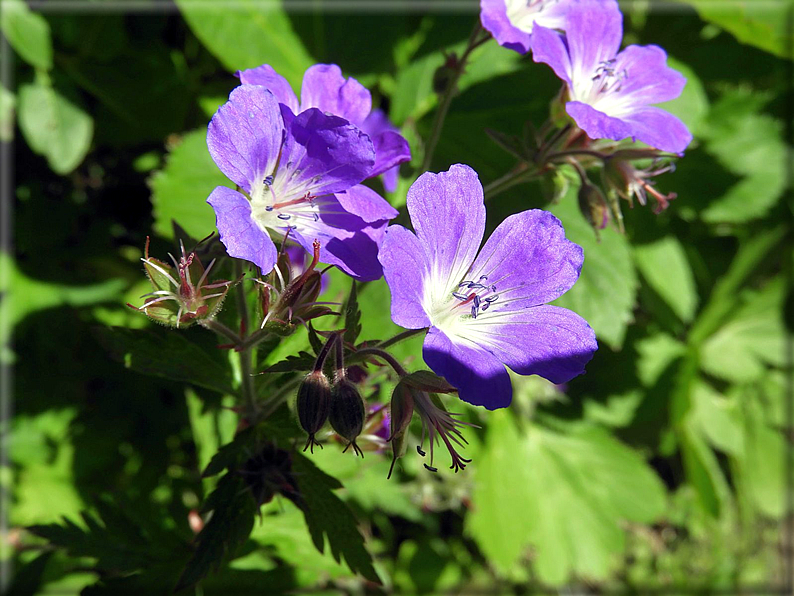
(764, 463)
(754, 337)
(605, 292)
(166, 354)
(28, 580)
(247, 35)
(120, 536)
(760, 24)
(28, 33)
(180, 190)
(300, 362)
(328, 517)
(233, 511)
(664, 266)
(563, 494)
(748, 144)
(718, 418)
(54, 124)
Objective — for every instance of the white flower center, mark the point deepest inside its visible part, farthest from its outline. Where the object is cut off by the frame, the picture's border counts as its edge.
(601, 89)
(277, 205)
(454, 312)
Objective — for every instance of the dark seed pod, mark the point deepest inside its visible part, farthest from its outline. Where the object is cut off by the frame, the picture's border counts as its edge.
(347, 412)
(314, 396)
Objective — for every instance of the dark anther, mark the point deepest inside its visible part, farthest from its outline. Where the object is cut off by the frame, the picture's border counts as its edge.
(269, 208)
(283, 216)
(431, 468)
(419, 451)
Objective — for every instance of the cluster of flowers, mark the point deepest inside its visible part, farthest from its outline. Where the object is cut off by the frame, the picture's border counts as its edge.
(299, 166)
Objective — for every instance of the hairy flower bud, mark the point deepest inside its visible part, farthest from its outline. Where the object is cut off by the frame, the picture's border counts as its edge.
(314, 396)
(347, 412)
(593, 205)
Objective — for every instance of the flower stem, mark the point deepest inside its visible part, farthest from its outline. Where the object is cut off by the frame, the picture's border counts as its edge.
(449, 92)
(517, 176)
(245, 350)
(220, 329)
(386, 356)
(399, 337)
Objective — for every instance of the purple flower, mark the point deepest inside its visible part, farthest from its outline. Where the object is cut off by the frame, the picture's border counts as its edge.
(325, 88)
(484, 310)
(300, 175)
(611, 92)
(511, 21)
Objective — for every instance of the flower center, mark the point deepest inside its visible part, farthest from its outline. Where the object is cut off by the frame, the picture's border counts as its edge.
(602, 90)
(468, 301)
(276, 204)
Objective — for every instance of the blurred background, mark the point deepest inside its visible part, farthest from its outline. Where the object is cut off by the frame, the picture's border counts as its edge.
(664, 468)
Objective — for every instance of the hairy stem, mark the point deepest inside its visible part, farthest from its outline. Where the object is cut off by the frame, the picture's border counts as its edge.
(386, 356)
(220, 329)
(449, 92)
(399, 337)
(245, 350)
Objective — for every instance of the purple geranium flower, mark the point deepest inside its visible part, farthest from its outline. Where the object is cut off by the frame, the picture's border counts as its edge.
(300, 175)
(484, 310)
(611, 92)
(325, 88)
(511, 21)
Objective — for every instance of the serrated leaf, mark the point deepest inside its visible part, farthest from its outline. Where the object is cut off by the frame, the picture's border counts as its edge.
(180, 190)
(301, 362)
(665, 267)
(563, 494)
(165, 354)
(279, 427)
(233, 511)
(754, 337)
(120, 538)
(54, 124)
(27, 32)
(748, 144)
(605, 292)
(327, 516)
(247, 35)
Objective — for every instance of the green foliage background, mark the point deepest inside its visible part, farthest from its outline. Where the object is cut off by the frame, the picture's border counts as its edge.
(664, 467)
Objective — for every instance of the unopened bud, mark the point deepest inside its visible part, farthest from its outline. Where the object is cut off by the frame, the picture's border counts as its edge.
(401, 410)
(314, 396)
(347, 412)
(593, 205)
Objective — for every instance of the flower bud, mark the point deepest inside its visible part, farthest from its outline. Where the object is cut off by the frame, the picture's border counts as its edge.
(593, 205)
(314, 396)
(347, 412)
(401, 410)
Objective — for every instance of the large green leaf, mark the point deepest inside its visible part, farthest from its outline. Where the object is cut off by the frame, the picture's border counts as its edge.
(753, 337)
(605, 292)
(54, 123)
(764, 25)
(328, 517)
(564, 494)
(664, 266)
(180, 190)
(27, 32)
(166, 354)
(748, 144)
(248, 33)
